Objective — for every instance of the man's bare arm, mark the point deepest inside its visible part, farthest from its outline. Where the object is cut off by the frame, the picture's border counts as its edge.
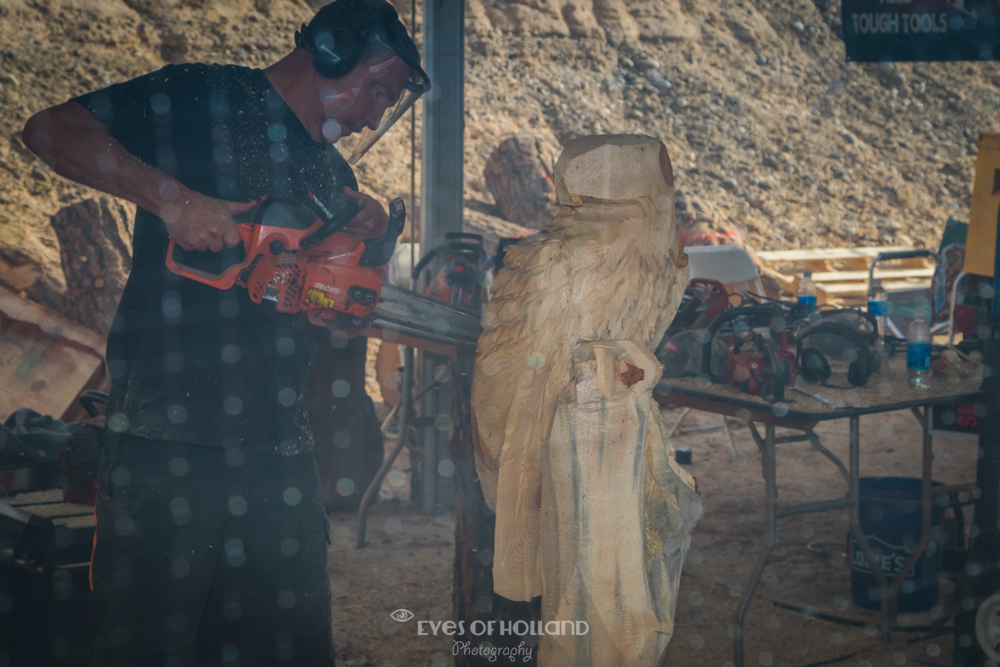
(81, 148)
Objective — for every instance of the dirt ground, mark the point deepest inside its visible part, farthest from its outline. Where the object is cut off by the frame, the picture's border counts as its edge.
(408, 563)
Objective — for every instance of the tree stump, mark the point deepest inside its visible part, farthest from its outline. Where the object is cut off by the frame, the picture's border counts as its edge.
(344, 425)
(519, 174)
(95, 246)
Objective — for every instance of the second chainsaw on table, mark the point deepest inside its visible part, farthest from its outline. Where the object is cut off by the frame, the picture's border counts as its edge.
(295, 259)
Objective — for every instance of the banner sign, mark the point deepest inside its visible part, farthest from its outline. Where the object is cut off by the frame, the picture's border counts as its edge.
(924, 30)
(981, 239)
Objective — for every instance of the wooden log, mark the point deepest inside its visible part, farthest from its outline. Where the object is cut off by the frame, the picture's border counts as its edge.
(95, 246)
(519, 174)
(617, 515)
(608, 267)
(473, 596)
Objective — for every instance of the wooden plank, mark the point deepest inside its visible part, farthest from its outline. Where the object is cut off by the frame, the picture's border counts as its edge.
(18, 308)
(41, 371)
(842, 289)
(884, 274)
(819, 254)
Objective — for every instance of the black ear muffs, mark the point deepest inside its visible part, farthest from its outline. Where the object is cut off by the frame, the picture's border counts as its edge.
(815, 367)
(338, 41)
(812, 364)
(335, 51)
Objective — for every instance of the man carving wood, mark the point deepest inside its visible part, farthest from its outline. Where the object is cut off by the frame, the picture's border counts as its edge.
(593, 513)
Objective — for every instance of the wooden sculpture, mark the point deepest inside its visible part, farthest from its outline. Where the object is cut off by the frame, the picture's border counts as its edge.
(567, 438)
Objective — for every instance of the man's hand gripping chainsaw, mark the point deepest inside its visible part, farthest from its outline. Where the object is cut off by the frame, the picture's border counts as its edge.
(295, 260)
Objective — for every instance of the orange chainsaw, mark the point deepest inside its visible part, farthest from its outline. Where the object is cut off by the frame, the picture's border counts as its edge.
(294, 258)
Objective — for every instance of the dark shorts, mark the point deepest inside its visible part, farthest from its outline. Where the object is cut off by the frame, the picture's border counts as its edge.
(209, 556)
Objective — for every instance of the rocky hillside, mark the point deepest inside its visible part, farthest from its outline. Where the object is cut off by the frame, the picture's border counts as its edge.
(770, 131)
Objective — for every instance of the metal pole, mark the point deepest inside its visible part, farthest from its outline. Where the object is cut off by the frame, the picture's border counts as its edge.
(428, 440)
(444, 121)
(768, 464)
(405, 399)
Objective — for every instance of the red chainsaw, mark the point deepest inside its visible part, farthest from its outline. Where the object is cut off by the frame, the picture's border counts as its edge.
(294, 259)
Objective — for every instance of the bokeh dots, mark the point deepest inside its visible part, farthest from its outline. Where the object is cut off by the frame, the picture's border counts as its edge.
(341, 388)
(341, 535)
(173, 362)
(289, 546)
(345, 487)
(292, 496)
(176, 623)
(393, 526)
(536, 360)
(439, 660)
(696, 599)
(286, 599)
(237, 505)
(442, 423)
(765, 658)
(230, 653)
(898, 658)
(231, 607)
(697, 642)
(836, 638)
(287, 397)
(396, 477)
(285, 346)
(118, 422)
(177, 414)
(180, 568)
(446, 468)
(442, 373)
(231, 354)
(233, 405)
(933, 650)
(179, 466)
(124, 526)
(234, 457)
(341, 439)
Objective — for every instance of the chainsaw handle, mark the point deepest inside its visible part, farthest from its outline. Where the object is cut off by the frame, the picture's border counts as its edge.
(332, 224)
(379, 251)
(224, 280)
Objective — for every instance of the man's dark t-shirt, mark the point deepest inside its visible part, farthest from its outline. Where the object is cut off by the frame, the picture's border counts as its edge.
(190, 362)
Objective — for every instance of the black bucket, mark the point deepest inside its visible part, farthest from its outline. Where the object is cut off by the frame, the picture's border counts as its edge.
(891, 518)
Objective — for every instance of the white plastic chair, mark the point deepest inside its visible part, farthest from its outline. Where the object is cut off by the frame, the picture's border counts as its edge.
(732, 266)
(728, 264)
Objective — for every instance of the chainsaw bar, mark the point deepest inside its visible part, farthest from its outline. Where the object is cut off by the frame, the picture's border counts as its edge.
(419, 315)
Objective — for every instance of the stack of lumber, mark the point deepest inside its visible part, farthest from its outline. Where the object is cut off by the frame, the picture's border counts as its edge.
(841, 274)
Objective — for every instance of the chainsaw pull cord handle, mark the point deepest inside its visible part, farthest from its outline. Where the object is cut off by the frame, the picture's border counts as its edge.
(331, 223)
(726, 316)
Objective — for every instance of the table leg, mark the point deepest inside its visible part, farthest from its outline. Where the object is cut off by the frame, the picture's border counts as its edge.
(771, 519)
(874, 564)
(890, 606)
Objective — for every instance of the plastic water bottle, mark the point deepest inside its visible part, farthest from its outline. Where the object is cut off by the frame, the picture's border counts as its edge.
(918, 352)
(878, 306)
(807, 293)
